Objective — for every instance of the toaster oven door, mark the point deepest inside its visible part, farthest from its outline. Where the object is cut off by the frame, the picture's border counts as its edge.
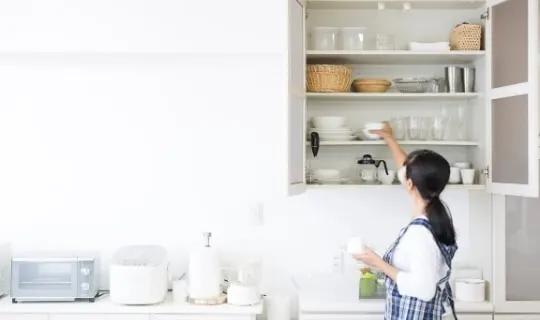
(44, 279)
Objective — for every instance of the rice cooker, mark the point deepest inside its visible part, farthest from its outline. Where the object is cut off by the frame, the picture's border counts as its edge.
(139, 275)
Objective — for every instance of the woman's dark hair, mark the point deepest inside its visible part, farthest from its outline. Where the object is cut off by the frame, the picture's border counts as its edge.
(429, 173)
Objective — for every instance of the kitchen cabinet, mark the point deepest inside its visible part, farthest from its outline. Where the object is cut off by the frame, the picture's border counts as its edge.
(24, 317)
(516, 256)
(499, 120)
(99, 317)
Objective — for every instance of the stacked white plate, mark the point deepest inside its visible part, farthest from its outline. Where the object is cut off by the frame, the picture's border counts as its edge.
(328, 176)
(340, 134)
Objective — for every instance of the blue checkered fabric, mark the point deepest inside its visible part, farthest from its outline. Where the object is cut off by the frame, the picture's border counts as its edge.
(400, 307)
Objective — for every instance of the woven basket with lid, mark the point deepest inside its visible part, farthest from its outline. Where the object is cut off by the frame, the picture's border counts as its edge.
(328, 78)
(466, 37)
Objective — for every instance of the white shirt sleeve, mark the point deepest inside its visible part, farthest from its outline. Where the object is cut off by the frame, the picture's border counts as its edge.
(420, 281)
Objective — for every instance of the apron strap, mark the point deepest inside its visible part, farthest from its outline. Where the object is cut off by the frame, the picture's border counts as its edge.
(448, 253)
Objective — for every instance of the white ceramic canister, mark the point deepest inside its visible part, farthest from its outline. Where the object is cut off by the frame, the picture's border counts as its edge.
(470, 290)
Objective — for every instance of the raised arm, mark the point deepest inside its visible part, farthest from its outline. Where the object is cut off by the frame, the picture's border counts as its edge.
(398, 155)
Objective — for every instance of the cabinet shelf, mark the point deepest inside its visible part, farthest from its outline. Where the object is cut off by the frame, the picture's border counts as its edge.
(385, 57)
(388, 96)
(403, 143)
(376, 186)
(394, 4)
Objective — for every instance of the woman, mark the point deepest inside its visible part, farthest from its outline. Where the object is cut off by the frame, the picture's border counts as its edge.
(418, 264)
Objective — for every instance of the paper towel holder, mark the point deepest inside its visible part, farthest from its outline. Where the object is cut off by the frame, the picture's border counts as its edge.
(207, 236)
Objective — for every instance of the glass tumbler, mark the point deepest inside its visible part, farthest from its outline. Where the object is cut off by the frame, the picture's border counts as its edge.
(385, 42)
(399, 127)
(439, 128)
(427, 128)
(415, 128)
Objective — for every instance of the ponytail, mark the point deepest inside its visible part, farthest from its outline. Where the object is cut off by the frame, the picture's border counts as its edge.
(440, 220)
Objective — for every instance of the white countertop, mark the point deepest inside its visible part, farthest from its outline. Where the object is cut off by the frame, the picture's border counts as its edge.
(105, 306)
(317, 305)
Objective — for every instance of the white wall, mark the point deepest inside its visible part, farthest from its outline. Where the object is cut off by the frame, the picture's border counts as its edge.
(103, 150)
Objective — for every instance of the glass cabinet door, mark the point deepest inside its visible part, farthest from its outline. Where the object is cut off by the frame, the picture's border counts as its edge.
(512, 97)
(516, 254)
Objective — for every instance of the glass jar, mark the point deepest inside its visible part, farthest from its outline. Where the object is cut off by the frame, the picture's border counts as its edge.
(385, 42)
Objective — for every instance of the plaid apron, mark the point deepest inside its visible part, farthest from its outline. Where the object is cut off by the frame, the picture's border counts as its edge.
(400, 307)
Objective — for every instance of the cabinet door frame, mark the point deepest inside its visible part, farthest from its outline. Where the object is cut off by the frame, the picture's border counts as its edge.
(498, 290)
(529, 88)
(296, 187)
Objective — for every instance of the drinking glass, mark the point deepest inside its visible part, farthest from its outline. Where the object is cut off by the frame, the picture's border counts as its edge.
(415, 128)
(427, 128)
(399, 127)
(439, 128)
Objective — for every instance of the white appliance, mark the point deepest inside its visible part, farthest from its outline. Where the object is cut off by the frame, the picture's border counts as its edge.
(139, 275)
(204, 272)
(5, 270)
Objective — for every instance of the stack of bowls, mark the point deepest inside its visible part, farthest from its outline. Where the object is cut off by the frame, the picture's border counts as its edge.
(331, 129)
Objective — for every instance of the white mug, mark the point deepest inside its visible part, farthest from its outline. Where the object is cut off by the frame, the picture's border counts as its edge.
(455, 176)
(467, 176)
(355, 246)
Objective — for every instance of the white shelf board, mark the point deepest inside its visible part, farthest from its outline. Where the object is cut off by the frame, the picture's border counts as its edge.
(389, 96)
(372, 186)
(395, 4)
(403, 143)
(384, 57)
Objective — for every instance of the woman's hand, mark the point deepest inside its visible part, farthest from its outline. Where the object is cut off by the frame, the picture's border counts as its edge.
(385, 132)
(370, 258)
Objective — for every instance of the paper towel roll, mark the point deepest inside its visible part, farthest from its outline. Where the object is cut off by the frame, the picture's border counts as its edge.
(204, 273)
(470, 290)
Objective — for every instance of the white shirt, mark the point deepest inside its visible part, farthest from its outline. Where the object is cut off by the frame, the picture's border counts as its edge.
(420, 263)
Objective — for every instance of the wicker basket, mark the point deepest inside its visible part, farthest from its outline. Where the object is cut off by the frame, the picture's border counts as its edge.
(371, 85)
(328, 78)
(466, 37)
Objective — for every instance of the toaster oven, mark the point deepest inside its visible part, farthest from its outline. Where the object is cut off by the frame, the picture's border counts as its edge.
(54, 277)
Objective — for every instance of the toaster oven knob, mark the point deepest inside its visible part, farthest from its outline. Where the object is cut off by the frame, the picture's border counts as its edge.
(85, 271)
(85, 286)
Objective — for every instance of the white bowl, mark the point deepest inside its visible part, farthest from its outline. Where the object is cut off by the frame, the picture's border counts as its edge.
(328, 122)
(387, 178)
(462, 165)
(370, 136)
(327, 173)
(372, 126)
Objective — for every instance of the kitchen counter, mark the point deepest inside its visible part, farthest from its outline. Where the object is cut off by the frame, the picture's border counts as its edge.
(104, 305)
(317, 305)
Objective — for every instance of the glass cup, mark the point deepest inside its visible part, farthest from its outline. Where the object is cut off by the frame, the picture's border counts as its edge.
(385, 42)
(399, 127)
(439, 128)
(415, 128)
(427, 128)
